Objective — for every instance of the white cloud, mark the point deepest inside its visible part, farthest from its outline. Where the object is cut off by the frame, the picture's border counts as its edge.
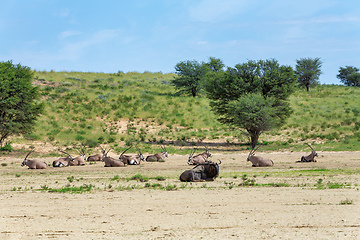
(66, 34)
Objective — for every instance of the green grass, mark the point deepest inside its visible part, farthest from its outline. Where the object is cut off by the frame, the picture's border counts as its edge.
(120, 108)
(68, 189)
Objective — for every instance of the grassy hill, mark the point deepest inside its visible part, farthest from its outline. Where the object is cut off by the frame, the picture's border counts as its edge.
(123, 108)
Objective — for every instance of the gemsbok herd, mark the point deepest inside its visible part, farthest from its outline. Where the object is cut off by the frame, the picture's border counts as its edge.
(204, 170)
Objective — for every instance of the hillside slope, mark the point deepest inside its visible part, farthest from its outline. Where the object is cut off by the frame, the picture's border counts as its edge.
(123, 108)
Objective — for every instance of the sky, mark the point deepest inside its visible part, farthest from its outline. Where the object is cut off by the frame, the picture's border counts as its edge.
(154, 35)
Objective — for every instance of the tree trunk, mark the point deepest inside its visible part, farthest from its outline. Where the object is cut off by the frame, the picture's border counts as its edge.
(254, 137)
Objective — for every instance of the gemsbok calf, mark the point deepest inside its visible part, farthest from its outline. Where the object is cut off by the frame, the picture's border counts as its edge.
(158, 157)
(259, 161)
(202, 172)
(310, 157)
(132, 159)
(200, 158)
(111, 162)
(33, 164)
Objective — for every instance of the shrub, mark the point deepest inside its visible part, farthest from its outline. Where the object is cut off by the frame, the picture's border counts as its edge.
(7, 147)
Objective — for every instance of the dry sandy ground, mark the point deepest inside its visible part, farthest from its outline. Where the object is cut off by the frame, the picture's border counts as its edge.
(207, 210)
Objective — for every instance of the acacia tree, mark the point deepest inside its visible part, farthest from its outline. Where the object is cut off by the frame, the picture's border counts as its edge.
(19, 106)
(349, 76)
(191, 74)
(308, 71)
(252, 96)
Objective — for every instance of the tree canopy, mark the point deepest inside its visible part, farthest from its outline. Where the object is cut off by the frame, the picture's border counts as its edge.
(308, 71)
(19, 106)
(349, 76)
(252, 95)
(191, 74)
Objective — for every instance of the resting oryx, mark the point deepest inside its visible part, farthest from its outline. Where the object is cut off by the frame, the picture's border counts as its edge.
(33, 164)
(200, 158)
(96, 157)
(79, 160)
(62, 162)
(158, 157)
(259, 161)
(203, 172)
(310, 157)
(111, 162)
(133, 159)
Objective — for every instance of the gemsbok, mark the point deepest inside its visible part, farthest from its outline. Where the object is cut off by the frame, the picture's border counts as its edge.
(96, 157)
(79, 160)
(62, 162)
(259, 161)
(203, 172)
(132, 159)
(310, 157)
(33, 164)
(158, 157)
(111, 162)
(200, 158)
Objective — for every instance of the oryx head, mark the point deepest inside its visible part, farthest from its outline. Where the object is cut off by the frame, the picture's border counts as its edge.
(24, 162)
(81, 151)
(72, 159)
(252, 153)
(104, 153)
(140, 154)
(190, 161)
(313, 151)
(164, 151)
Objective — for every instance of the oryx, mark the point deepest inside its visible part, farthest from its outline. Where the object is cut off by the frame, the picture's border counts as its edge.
(33, 164)
(200, 158)
(132, 159)
(310, 157)
(259, 161)
(158, 157)
(96, 157)
(62, 162)
(111, 162)
(203, 172)
(79, 160)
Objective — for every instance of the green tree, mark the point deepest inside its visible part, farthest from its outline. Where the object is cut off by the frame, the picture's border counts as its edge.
(190, 76)
(19, 105)
(215, 64)
(308, 71)
(252, 96)
(349, 76)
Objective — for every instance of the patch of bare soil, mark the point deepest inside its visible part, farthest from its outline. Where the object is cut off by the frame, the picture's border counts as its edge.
(119, 208)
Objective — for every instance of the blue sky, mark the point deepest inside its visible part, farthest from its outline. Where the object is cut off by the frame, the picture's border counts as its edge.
(154, 35)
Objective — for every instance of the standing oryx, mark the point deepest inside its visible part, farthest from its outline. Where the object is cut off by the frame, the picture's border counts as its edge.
(111, 162)
(259, 161)
(310, 157)
(33, 164)
(96, 157)
(200, 158)
(133, 159)
(158, 157)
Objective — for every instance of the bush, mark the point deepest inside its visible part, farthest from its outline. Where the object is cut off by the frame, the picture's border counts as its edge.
(7, 147)
(91, 143)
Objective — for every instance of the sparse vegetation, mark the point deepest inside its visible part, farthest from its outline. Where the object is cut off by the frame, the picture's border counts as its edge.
(141, 107)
